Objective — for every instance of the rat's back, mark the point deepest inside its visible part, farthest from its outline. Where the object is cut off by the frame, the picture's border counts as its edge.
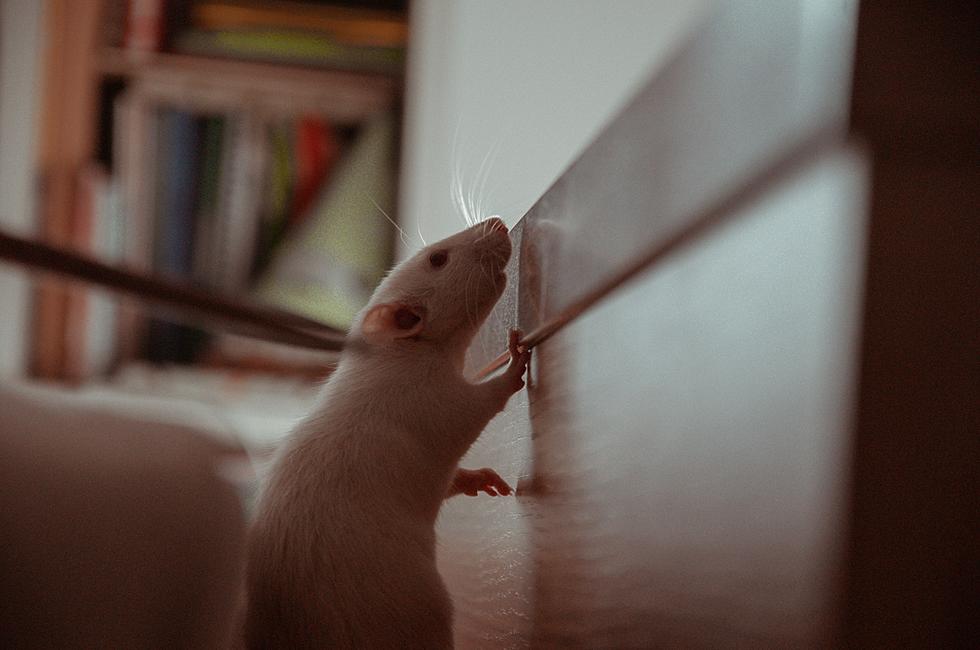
(336, 558)
(342, 552)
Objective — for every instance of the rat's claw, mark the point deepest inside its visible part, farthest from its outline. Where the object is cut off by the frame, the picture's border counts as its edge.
(519, 354)
(499, 484)
(513, 343)
(492, 483)
(472, 481)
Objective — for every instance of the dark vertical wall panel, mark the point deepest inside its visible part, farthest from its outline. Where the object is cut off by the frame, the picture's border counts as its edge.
(914, 565)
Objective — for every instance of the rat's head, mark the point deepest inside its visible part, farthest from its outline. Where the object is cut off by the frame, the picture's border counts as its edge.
(443, 293)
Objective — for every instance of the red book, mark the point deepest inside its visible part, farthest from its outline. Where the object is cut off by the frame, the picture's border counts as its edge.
(144, 25)
(316, 151)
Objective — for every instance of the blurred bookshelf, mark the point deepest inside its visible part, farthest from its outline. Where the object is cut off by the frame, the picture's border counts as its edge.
(242, 147)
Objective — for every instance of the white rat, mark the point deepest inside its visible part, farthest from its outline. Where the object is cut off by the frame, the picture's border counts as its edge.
(342, 550)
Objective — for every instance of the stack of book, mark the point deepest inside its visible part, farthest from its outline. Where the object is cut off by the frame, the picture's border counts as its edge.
(297, 33)
(239, 146)
(226, 189)
(225, 194)
(220, 200)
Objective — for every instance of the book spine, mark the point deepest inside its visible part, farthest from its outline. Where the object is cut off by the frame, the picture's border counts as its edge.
(103, 309)
(134, 141)
(173, 249)
(240, 202)
(294, 48)
(144, 26)
(207, 236)
(280, 182)
(365, 27)
(76, 311)
(316, 151)
(178, 191)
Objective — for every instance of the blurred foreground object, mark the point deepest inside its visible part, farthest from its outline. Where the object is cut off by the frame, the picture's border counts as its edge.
(115, 532)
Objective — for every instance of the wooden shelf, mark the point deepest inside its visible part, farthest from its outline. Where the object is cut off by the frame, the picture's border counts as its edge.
(81, 114)
(224, 84)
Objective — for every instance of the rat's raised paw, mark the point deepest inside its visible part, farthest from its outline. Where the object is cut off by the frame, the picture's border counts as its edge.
(472, 481)
(520, 356)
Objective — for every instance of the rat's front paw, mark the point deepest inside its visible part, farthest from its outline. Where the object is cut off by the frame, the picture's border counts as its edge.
(472, 481)
(520, 356)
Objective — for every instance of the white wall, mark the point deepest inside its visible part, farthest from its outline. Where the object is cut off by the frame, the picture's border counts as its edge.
(20, 72)
(535, 80)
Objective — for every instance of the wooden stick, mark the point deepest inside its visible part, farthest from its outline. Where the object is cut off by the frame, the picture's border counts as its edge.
(728, 207)
(233, 314)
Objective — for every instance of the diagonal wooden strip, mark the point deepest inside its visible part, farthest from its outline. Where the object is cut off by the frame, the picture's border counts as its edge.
(728, 207)
(236, 315)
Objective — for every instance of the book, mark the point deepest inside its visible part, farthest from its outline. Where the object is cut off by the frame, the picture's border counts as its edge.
(100, 337)
(208, 235)
(97, 232)
(301, 153)
(134, 144)
(353, 26)
(317, 149)
(328, 267)
(213, 85)
(144, 26)
(243, 164)
(290, 47)
(134, 141)
(178, 142)
(280, 184)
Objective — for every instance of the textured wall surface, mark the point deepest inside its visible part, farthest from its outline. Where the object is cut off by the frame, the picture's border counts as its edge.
(497, 87)
(681, 451)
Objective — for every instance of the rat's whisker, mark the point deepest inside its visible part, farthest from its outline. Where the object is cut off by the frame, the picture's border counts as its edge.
(401, 232)
(487, 230)
(483, 270)
(456, 188)
(418, 229)
(459, 197)
(454, 176)
(470, 318)
(485, 167)
(470, 202)
(454, 192)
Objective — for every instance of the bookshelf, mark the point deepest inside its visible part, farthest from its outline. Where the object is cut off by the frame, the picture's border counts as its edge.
(233, 170)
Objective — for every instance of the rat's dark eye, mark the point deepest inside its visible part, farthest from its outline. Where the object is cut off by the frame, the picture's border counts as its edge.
(439, 258)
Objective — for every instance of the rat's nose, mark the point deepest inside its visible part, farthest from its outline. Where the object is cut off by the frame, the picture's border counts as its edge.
(496, 224)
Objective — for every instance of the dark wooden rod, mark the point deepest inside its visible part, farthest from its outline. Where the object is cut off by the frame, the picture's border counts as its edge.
(791, 163)
(236, 315)
(283, 327)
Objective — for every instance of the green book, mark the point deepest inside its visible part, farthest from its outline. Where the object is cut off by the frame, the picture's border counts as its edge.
(294, 47)
(329, 266)
(207, 236)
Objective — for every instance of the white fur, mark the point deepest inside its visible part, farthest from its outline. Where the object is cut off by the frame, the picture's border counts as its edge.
(342, 551)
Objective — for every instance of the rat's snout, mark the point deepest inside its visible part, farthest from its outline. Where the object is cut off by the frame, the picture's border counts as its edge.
(496, 224)
(492, 237)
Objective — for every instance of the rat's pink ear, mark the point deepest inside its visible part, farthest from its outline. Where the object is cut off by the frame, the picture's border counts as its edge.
(388, 322)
